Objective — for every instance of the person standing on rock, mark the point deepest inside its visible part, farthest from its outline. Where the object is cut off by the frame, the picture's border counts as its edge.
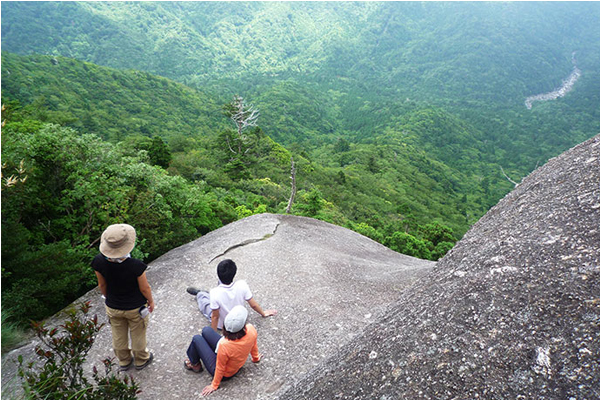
(122, 281)
(224, 356)
(216, 305)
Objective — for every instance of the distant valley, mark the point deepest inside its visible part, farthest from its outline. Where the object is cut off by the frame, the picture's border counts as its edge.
(403, 120)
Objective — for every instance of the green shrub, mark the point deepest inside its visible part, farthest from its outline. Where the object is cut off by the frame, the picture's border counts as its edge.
(243, 211)
(441, 249)
(368, 231)
(406, 243)
(63, 352)
(437, 233)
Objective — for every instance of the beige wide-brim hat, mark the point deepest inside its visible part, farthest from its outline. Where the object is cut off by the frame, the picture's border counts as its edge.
(117, 240)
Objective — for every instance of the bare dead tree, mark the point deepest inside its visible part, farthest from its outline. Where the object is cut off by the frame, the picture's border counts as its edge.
(507, 177)
(243, 116)
(293, 194)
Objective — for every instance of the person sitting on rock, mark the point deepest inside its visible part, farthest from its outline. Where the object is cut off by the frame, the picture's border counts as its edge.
(224, 356)
(216, 305)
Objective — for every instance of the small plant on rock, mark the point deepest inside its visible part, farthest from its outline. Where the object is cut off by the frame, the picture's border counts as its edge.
(63, 351)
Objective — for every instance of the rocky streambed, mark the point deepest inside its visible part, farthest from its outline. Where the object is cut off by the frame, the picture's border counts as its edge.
(565, 88)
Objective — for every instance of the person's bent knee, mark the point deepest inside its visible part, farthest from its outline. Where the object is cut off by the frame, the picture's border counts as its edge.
(197, 337)
(207, 330)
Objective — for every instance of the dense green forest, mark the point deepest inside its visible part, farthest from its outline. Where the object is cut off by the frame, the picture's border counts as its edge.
(430, 50)
(106, 169)
(401, 119)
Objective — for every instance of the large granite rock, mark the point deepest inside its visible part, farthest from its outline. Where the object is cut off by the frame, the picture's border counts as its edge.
(512, 312)
(327, 283)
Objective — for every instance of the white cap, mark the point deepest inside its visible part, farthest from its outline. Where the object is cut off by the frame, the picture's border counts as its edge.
(236, 319)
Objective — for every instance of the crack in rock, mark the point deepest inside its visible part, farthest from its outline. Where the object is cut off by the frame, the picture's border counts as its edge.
(246, 242)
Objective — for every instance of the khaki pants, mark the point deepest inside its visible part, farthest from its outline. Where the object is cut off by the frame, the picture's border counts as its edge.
(122, 323)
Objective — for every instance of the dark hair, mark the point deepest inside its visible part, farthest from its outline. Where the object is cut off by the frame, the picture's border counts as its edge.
(234, 335)
(226, 271)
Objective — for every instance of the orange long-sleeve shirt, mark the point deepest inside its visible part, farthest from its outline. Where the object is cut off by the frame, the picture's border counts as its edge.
(232, 355)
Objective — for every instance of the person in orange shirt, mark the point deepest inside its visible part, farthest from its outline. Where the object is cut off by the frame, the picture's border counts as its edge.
(224, 356)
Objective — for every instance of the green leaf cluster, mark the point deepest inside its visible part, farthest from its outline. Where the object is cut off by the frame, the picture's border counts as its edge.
(71, 187)
(63, 352)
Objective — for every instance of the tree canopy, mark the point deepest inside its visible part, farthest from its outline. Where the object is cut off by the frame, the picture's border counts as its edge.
(402, 120)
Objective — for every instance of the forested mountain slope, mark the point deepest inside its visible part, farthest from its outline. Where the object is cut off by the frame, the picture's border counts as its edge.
(321, 71)
(368, 182)
(429, 49)
(62, 183)
(110, 103)
(400, 117)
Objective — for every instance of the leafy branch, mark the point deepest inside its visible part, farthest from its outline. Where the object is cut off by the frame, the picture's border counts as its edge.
(63, 351)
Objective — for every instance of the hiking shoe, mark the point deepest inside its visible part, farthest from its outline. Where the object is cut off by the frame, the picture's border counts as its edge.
(144, 365)
(124, 368)
(193, 290)
(191, 367)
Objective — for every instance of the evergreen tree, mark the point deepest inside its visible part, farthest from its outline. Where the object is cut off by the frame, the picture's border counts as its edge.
(159, 153)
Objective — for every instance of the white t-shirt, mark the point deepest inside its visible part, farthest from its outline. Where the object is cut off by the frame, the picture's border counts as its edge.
(225, 297)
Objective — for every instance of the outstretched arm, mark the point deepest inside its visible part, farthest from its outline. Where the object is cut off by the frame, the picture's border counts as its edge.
(256, 307)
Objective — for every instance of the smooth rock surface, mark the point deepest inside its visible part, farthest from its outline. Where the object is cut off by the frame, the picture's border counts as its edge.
(327, 283)
(512, 312)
